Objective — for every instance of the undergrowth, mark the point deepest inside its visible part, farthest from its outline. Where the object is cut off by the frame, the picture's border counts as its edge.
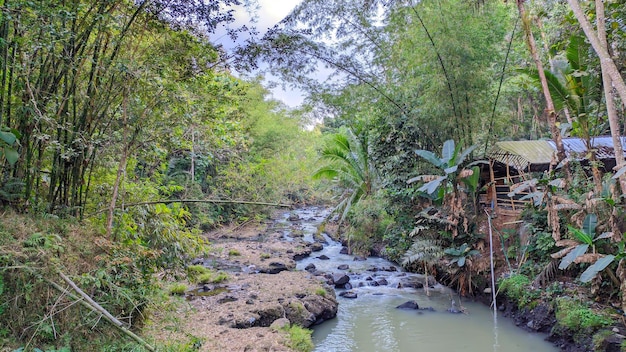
(39, 309)
(299, 338)
(518, 288)
(576, 315)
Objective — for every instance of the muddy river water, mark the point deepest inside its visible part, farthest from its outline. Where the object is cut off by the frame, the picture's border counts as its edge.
(371, 322)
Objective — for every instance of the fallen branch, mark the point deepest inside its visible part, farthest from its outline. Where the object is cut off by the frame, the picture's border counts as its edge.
(93, 303)
(217, 201)
(90, 304)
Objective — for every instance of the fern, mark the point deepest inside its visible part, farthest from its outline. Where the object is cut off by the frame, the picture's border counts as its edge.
(423, 250)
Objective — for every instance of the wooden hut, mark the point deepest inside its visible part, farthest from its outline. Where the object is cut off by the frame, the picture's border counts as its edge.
(513, 162)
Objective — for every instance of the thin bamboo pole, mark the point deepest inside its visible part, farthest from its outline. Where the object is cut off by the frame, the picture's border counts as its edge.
(493, 279)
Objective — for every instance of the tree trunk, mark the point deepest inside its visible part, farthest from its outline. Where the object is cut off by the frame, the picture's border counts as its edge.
(121, 167)
(608, 96)
(605, 59)
(550, 112)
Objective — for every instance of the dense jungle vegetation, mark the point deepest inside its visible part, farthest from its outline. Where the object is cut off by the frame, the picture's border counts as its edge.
(126, 133)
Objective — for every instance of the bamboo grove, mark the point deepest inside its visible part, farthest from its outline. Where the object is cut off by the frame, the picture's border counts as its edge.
(89, 88)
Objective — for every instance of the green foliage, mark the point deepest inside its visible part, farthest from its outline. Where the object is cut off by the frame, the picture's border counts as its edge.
(518, 288)
(299, 338)
(576, 316)
(12, 190)
(161, 229)
(177, 289)
(459, 255)
(3, 304)
(195, 271)
(369, 221)
(347, 163)
(585, 236)
(9, 142)
(449, 162)
(321, 292)
(211, 277)
(234, 253)
(423, 250)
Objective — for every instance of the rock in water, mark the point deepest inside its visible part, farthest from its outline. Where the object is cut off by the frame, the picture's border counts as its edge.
(409, 305)
(340, 279)
(343, 267)
(453, 308)
(348, 294)
(316, 247)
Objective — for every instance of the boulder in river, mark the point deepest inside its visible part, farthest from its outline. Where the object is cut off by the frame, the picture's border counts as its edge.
(409, 305)
(316, 246)
(301, 253)
(310, 267)
(348, 294)
(343, 267)
(323, 257)
(344, 250)
(410, 282)
(340, 279)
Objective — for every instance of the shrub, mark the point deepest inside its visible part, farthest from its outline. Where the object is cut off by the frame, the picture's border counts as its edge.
(575, 315)
(194, 272)
(211, 277)
(320, 292)
(220, 277)
(517, 287)
(234, 252)
(177, 289)
(299, 338)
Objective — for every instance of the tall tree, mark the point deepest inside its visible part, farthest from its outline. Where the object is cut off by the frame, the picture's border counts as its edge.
(550, 111)
(611, 111)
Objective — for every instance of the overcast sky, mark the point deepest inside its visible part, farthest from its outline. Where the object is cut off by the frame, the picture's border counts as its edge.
(270, 13)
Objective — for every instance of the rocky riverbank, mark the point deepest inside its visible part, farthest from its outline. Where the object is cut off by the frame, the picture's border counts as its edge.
(262, 294)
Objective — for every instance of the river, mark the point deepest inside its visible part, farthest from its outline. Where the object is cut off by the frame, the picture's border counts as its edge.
(371, 322)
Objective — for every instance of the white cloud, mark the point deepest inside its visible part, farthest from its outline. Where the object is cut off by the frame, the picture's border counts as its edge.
(269, 13)
(272, 11)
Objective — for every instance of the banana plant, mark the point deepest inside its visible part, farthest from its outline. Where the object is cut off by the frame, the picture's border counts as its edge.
(461, 254)
(9, 143)
(576, 249)
(450, 161)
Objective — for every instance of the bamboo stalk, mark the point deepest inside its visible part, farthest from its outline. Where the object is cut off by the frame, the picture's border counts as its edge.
(95, 304)
(87, 305)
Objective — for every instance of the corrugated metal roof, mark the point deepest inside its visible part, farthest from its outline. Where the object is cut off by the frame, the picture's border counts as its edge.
(522, 154)
(576, 148)
(534, 155)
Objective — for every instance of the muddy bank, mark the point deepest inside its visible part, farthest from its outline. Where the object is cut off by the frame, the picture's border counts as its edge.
(542, 319)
